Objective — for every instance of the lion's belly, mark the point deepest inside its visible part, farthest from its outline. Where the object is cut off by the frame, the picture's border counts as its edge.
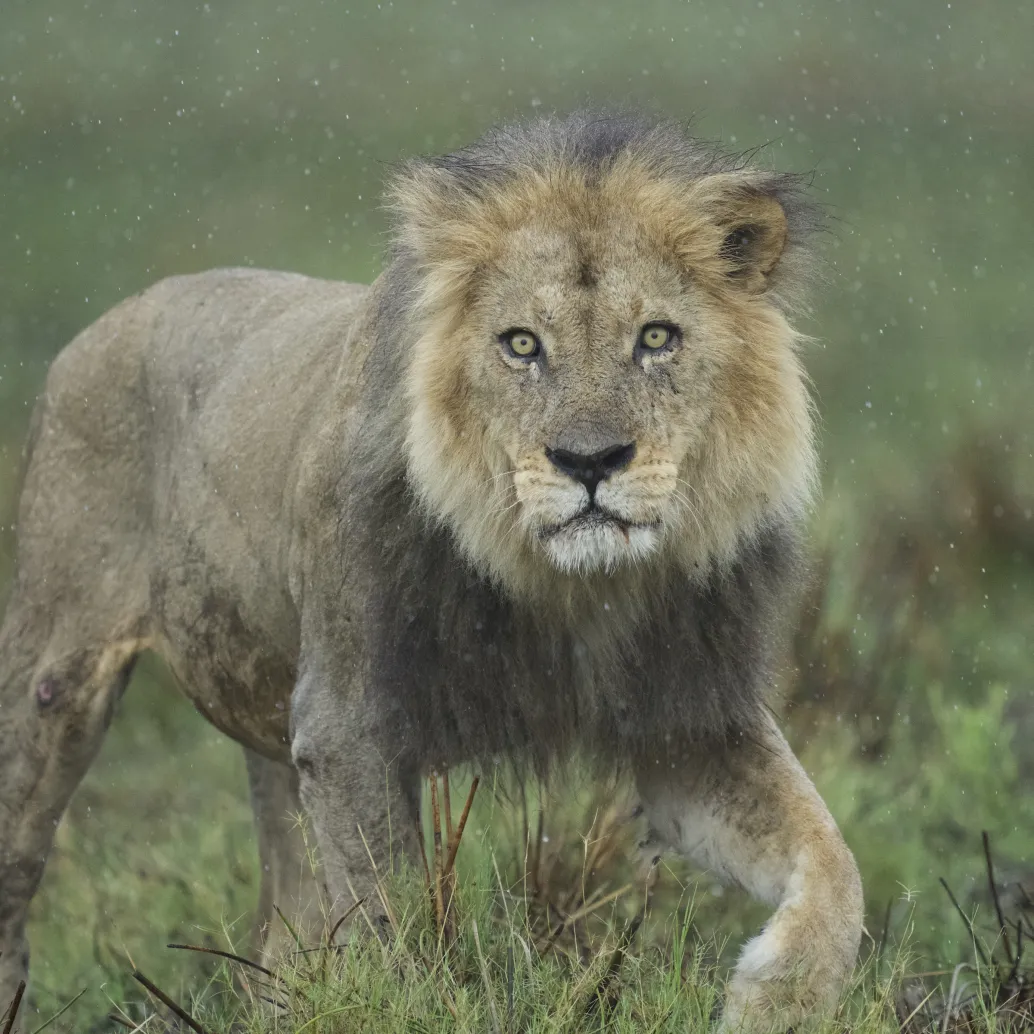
(242, 689)
(235, 671)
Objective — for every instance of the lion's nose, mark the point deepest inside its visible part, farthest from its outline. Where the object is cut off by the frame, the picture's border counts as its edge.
(591, 469)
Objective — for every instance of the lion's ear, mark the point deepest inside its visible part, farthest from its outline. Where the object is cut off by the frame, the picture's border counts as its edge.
(436, 218)
(753, 229)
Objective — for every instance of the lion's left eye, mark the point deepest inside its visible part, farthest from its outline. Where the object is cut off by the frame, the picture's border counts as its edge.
(656, 336)
(521, 344)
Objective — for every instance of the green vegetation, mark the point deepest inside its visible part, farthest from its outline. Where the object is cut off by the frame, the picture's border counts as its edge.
(143, 139)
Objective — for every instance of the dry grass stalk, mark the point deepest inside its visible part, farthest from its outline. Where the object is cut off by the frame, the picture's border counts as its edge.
(12, 1009)
(173, 1007)
(567, 875)
(441, 883)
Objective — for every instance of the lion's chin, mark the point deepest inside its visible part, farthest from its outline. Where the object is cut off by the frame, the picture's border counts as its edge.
(594, 542)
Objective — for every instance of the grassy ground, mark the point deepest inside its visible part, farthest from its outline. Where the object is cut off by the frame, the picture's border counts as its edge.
(143, 139)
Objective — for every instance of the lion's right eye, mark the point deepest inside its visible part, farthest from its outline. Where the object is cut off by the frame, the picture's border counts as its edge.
(521, 344)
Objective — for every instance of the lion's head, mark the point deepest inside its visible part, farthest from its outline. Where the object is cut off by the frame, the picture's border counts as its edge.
(606, 375)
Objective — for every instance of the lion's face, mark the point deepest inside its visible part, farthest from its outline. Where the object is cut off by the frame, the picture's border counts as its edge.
(588, 397)
(589, 373)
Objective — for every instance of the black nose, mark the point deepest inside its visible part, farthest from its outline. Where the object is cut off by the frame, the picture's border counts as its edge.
(590, 470)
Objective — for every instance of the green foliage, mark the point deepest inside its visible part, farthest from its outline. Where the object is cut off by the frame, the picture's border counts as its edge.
(916, 814)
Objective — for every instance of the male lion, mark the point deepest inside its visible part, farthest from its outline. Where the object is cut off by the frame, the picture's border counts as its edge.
(536, 490)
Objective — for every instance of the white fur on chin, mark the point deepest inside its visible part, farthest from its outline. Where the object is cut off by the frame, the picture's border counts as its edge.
(600, 547)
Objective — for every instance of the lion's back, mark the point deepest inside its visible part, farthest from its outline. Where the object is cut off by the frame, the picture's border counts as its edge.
(222, 362)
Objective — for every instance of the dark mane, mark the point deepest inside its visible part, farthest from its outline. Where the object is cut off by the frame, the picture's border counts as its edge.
(464, 672)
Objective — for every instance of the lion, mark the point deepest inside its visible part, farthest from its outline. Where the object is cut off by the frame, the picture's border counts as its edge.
(538, 491)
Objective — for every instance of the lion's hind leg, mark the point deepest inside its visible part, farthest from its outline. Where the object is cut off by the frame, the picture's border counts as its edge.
(58, 690)
(749, 813)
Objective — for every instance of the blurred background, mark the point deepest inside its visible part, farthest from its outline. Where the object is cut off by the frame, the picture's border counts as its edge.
(140, 138)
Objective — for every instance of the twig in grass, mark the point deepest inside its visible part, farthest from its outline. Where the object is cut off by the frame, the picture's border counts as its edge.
(454, 845)
(597, 902)
(1015, 971)
(447, 807)
(271, 1001)
(222, 954)
(569, 919)
(243, 961)
(994, 894)
(273, 989)
(290, 929)
(966, 920)
(169, 1003)
(64, 1008)
(348, 913)
(12, 1009)
(598, 847)
(436, 834)
(441, 881)
(132, 1027)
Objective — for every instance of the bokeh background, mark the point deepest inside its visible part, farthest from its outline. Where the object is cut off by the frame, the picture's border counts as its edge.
(142, 138)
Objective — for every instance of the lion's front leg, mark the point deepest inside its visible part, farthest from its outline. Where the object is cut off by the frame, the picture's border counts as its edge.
(750, 814)
(359, 789)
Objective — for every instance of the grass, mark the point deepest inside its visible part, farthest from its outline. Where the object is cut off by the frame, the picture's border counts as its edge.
(534, 937)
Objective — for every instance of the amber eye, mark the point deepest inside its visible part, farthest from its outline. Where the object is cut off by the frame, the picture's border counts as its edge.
(655, 336)
(522, 344)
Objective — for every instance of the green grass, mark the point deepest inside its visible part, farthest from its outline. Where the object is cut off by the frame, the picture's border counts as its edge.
(495, 974)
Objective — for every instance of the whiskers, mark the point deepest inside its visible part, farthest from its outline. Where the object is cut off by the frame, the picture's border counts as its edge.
(687, 509)
(496, 477)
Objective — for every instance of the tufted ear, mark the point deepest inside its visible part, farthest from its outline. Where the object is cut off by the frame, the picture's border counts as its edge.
(753, 226)
(437, 219)
(743, 230)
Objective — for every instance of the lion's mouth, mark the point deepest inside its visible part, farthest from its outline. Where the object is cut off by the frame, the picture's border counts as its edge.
(592, 517)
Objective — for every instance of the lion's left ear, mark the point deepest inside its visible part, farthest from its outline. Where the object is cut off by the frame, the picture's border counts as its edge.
(753, 229)
(743, 229)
